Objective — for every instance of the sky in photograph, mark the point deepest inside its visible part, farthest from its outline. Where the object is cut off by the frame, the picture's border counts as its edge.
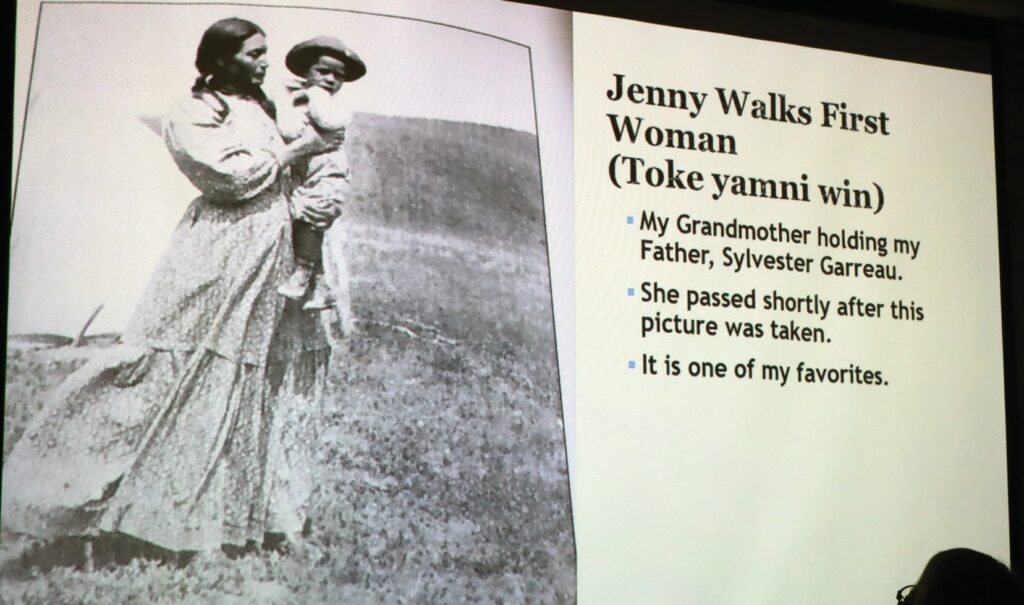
(141, 57)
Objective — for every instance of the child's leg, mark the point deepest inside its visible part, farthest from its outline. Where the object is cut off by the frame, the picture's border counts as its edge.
(307, 243)
(309, 249)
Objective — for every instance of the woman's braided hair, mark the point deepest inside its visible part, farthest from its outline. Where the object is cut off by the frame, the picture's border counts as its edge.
(221, 41)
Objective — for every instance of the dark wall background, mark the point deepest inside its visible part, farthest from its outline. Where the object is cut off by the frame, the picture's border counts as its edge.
(977, 35)
(1009, 93)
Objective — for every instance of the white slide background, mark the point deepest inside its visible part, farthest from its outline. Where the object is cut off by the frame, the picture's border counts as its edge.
(739, 490)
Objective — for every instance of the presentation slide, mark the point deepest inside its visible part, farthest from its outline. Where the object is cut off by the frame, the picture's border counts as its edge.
(788, 336)
(586, 310)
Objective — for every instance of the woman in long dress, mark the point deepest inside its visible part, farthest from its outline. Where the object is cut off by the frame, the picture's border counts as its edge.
(189, 434)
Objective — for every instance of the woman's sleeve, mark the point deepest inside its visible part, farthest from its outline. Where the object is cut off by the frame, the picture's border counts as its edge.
(290, 120)
(224, 168)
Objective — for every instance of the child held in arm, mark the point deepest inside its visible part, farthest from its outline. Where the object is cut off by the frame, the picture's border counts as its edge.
(312, 100)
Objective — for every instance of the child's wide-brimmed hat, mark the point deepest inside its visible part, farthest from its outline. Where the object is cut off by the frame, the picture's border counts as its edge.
(304, 54)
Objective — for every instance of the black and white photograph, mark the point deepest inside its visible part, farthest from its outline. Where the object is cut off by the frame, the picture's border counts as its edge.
(280, 322)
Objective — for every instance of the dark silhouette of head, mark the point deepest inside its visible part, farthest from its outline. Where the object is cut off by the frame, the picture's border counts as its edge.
(961, 576)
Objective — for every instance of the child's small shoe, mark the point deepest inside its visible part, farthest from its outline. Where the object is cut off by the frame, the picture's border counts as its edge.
(297, 284)
(320, 298)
